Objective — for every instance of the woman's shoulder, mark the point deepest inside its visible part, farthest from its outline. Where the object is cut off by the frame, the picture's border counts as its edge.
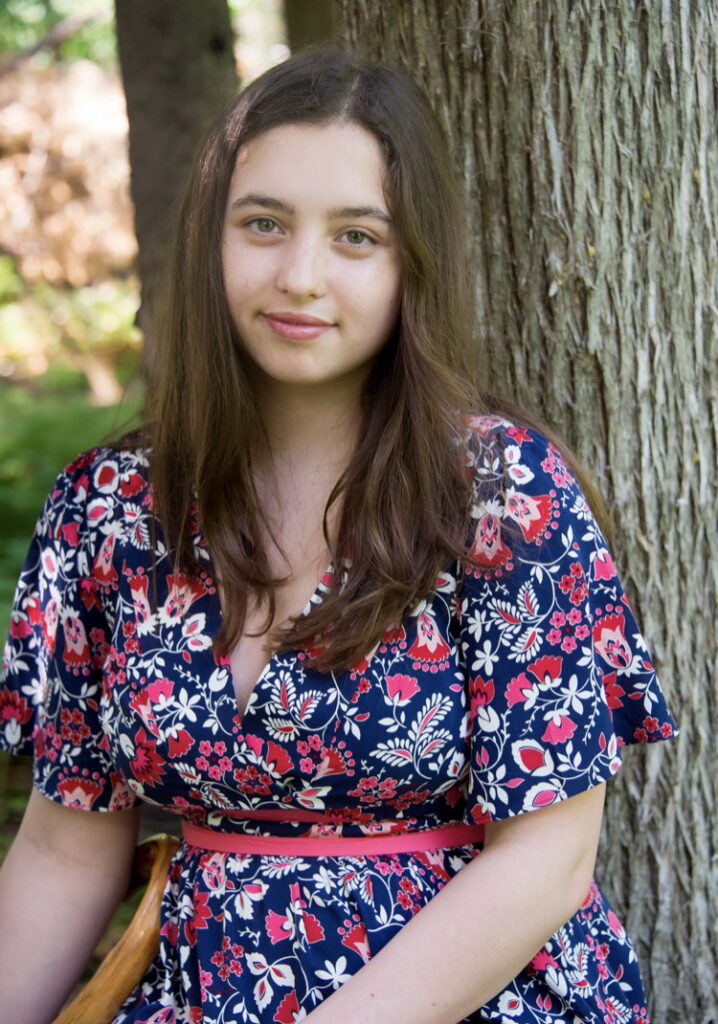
(513, 456)
(105, 470)
(100, 485)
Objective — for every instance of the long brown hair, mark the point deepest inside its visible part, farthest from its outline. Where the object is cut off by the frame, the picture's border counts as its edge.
(403, 501)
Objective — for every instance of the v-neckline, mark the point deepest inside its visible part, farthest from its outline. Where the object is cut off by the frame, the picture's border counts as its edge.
(314, 598)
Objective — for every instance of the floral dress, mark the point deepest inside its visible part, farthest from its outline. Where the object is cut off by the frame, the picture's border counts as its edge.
(513, 685)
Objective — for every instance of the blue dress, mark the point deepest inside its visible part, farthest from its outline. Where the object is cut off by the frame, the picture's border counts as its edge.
(512, 685)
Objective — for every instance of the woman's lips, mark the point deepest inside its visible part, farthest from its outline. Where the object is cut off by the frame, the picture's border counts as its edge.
(296, 326)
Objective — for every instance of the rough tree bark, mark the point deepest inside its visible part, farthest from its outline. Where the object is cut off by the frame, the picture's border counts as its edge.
(178, 70)
(586, 134)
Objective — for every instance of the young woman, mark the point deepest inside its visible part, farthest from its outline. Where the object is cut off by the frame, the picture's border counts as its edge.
(360, 631)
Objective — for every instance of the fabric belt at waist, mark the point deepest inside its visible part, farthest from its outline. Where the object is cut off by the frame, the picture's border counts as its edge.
(445, 836)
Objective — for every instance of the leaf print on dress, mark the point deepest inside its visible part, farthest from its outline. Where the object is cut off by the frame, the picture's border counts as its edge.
(119, 692)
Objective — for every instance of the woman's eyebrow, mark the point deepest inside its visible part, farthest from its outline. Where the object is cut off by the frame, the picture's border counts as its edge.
(266, 202)
(352, 212)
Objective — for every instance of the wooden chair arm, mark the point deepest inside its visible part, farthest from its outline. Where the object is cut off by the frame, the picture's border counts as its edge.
(122, 969)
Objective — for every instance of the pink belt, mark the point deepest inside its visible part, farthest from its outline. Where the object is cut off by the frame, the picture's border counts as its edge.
(333, 846)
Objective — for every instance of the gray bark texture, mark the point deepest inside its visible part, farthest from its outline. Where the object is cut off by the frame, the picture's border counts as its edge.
(587, 136)
(178, 71)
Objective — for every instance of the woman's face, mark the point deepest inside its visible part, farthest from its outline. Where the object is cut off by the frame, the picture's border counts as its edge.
(310, 259)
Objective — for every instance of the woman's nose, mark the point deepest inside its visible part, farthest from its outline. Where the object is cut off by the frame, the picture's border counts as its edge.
(302, 269)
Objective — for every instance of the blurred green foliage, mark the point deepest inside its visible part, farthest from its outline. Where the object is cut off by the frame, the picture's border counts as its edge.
(24, 23)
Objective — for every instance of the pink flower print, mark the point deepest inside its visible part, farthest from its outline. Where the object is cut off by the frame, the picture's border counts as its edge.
(401, 688)
(138, 590)
(520, 690)
(616, 926)
(603, 567)
(541, 795)
(103, 570)
(278, 927)
(568, 644)
(49, 625)
(559, 729)
(610, 641)
(542, 960)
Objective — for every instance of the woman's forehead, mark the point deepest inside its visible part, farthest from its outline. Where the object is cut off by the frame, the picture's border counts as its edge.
(340, 163)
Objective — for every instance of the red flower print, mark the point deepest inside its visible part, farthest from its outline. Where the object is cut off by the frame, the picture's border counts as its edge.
(147, 765)
(547, 670)
(429, 648)
(138, 590)
(14, 712)
(288, 1010)
(332, 763)
(356, 938)
(278, 760)
(532, 757)
(488, 549)
(77, 649)
(532, 514)
(103, 570)
(79, 793)
(480, 693)
(614, 692)
(312, 928)
(202, 914)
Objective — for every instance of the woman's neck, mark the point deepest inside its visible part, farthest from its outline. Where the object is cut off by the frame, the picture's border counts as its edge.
(312, 426)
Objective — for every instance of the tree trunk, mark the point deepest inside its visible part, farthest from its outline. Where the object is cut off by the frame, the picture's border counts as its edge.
(178, 70)
(586, 132)
(308, 22)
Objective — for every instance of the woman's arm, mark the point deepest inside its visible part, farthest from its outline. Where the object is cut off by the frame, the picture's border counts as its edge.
(64, 875)
(484, 926)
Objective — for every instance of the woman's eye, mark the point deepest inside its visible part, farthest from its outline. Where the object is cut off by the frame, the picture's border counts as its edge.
(357, 238)
(264, 225)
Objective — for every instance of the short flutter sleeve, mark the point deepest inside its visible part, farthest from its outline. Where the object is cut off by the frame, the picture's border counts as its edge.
(559, 674)
(51, 677)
